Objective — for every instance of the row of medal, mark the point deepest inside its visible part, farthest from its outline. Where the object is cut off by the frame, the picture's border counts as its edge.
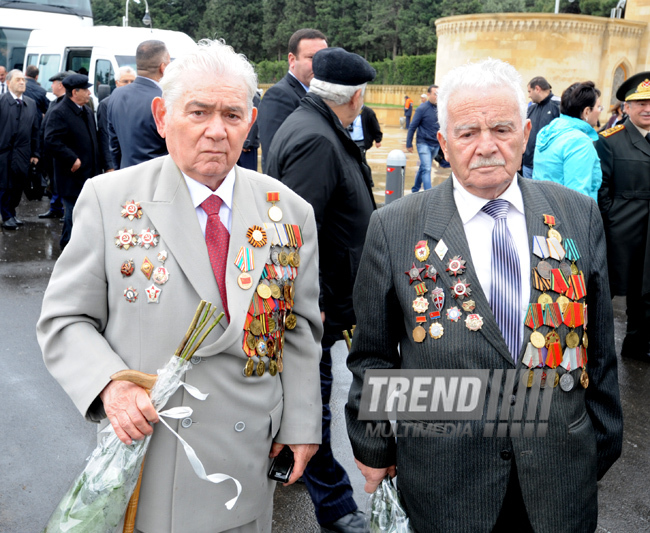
(460, 290)
(269, 314)
(148, 238)
(568, 282)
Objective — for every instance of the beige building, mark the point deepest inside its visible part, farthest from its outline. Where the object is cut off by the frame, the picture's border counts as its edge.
(563, 48)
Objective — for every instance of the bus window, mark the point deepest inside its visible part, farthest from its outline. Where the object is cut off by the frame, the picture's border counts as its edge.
(79, 60)
(48, 66)
(32, 59)
(104, 75)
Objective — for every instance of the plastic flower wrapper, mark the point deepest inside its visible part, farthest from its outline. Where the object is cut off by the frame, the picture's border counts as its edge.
(386, 512)
(98, 498)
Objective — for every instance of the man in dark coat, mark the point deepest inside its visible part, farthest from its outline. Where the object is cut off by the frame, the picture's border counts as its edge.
(125, 76)
(35, 91)
(248, 157)
(19, 146)
(313, 154)
(624, 200)
(544, 109)
(280, 100)
(71, 138)
(445, 291)
(132, 129)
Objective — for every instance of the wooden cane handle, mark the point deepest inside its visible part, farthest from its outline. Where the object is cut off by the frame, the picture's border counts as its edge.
(146, 381)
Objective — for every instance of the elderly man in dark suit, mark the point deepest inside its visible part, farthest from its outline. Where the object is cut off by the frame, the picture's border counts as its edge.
(71, 139)
(132, 129)
(284, 97)
(19, 146)
(445, 284)
(624, 200)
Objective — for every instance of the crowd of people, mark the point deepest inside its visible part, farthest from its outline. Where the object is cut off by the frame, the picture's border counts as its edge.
(168, 173)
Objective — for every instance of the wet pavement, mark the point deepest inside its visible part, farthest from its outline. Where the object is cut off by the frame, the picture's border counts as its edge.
(44, 440)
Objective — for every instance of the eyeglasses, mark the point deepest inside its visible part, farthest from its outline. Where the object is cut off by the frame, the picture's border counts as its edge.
(600, 108)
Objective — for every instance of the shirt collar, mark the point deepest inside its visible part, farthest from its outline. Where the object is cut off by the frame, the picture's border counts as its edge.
(151, 80)
(641, 130)
(199, 192)
(14, 96)
(469, 205)
(306, 87)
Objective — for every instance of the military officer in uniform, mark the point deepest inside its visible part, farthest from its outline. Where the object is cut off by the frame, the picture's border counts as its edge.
(624, 200)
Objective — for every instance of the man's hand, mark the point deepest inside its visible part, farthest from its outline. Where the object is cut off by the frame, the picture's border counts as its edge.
(374, 476)
(76, 165)
(129, 410)
(410, 150)
(302, 453)
(378, 145)
(34, 160)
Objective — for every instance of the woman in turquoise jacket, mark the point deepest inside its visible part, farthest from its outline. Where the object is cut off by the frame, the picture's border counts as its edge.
(564, 151)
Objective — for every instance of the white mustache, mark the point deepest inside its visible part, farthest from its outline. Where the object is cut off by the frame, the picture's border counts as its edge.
(487, 162)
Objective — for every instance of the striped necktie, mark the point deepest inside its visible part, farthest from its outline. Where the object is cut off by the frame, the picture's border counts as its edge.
(217, 240)
(505, 290)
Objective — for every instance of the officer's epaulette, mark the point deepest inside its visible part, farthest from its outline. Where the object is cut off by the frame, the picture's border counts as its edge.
(612, 131)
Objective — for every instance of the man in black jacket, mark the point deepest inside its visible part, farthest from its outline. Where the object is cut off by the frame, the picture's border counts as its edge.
(35, 91)
(281, 99)
(71, 138)
(624, 201)
(544, 109)
(313, 154)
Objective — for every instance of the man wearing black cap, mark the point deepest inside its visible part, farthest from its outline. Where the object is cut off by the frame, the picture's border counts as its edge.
(58, 90)
(19, 146)
(313, 154)
(71, 139)
(624, 200)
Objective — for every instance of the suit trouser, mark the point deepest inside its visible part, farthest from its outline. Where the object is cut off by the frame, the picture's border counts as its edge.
(637, 336)
(326, 480)
(10, 198)
(68, 205)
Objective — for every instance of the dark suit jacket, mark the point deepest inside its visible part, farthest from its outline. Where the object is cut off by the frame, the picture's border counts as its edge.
(69, 136)
(19, 139)
(132, 129)
(277, 104)
(105, 157)
(624, 200)
(459, 483)
(38, 94)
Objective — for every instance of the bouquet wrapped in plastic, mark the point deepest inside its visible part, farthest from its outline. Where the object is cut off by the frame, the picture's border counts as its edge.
(98, 498)
(386, 512)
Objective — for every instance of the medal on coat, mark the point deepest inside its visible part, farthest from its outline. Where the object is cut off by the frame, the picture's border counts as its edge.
(420, 289)
(469, 306)
(275, 213)
(456, 265)
(572, 254)
(153, 294)
(540, 246)
(441, 249)
(436, 330)
(566, 382)
(162, 256)
(474, 322)
(419, 333)
(126, 238)
(430, 272)
(453, 314)
(438, 299)
(160, 275)
(460, 289)
(420, 304)
(127, 268)
(130, 294)
(132, 210)
(147, 268)
(422, 251)
(257, 236)
(148, 238)
(245, 259)
(549, 220)
(534, 319)
(414, 273)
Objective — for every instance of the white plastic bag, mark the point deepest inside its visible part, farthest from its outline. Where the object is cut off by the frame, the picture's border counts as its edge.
(386, 512)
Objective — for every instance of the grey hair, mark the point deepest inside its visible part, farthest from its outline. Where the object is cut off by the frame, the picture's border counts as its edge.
(13, 72)
(477, 77)
(335, 93)
(210, 59)
(124, 70)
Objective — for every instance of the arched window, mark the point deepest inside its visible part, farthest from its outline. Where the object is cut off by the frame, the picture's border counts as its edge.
(619, 77)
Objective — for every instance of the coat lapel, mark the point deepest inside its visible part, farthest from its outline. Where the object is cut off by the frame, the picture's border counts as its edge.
(638, 140)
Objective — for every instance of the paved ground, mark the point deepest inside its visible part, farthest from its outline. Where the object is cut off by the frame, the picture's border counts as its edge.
(44, 441)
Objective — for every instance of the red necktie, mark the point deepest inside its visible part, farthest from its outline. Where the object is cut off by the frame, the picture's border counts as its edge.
(217, 239)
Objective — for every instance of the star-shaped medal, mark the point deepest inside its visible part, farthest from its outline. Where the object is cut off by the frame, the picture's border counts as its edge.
(125, 239)
(456, 265)
(414, 273)
(148, 238)
(453, 314)
(132, 210)
(430, 272)
(460, 289)
(153, 293)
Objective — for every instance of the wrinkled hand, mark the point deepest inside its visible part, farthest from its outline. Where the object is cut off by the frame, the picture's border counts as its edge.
(129, 410)
(410, 150)
(76, 165)
(374, 476)
(302, 453)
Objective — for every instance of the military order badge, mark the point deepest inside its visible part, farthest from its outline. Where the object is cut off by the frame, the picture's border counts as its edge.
(125, 239)
(132, 210)
(148, 238)
(422, 251)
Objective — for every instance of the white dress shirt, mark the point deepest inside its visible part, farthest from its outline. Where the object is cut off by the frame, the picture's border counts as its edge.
(199, 193)
(478, 231)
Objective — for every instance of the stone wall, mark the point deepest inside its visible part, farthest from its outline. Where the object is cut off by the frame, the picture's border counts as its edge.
(563, 48)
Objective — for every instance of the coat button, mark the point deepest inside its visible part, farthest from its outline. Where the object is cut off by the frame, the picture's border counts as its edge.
(187, 422)
(506, 455)
(195, 360)
(240, 426)
(513, 400)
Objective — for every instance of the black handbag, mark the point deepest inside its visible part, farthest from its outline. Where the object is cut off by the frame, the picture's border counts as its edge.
(34, 183)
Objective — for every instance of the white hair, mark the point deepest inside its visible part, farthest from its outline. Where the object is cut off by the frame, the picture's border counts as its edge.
(210, 59)
(124, 70)
(478, 77)
(335, 93)
(13, 72)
